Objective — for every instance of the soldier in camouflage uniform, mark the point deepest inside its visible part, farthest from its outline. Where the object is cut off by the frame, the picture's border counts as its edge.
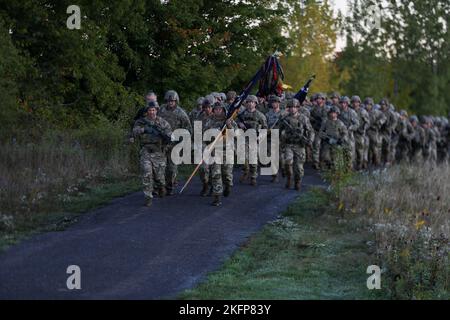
(178, 119)
(296, 134)
(377, 120)
(441, 142)
(334, 136)
(360, 134)
(204, 171)
(195, 113)
(430, 140)
(262, 105)
(406, 134)
(318, 115)
(350, 119)
(251, 119)
(221, 173)
(273, 122)
(153, 133)
(231, 96)
(335, 97)
(386, 132)
(417, 142)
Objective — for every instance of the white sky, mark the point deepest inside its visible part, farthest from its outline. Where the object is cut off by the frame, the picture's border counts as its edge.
(342, 6)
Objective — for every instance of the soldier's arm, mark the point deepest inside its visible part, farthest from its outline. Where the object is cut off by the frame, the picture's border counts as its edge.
(138, 128)
(355, 123)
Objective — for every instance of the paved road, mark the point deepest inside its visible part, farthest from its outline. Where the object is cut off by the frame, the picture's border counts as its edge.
(127, 251)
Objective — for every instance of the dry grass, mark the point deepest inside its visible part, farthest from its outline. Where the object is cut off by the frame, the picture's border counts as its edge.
(37, 177)
(408, 208)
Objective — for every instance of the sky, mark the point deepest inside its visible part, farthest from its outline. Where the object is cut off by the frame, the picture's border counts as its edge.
(340, 5)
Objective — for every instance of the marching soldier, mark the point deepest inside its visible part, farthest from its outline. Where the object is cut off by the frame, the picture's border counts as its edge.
(360, 133)
(178, 119)
(417, 142)
(386, 132)
(405, 136)
(350, 119)
(251, 118)
(297, 133)
(273, 122)
(153, 133)
(221, 173)
(334, 135)
(377, 120)
(318, 114)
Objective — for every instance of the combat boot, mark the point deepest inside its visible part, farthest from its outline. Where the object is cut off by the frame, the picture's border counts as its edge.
(148, 201)
(316, 166)
(227, 190)
(298, 185)
(275, 178)
(162, 192)
(253, 182)
(205, 190)
(216, 201)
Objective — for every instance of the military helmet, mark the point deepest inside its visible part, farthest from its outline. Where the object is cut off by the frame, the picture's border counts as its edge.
(274, 98)
(368, 100)
(231, 95)
(321, 95)
(206, 103)
(422, 119)
(376, 107)
(171, 95)
(384, 101)
(200, 100)
(344, 99)
(313, 97)
(335, 94)
(356, 99)
(403, 113)
(334, 109)
(219, 104)
(151, 104)
(223, 96)
(293, 103)
(252, 98)
(209, 99)
(414, 119)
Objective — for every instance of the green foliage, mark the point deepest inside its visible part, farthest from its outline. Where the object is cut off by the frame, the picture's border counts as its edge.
(66, 78)
(312, 34)
(406, 59)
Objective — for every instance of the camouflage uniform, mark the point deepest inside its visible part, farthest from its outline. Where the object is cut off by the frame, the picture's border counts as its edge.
(386, 132)
(351, 121)
(273, 122)
(251, 120)
(221, 174)
(360, 136)
(430, 142)
(318, 115)
(377, 120)
(195, 113)
(334, 135)
(152, 134)
(406, 134)
(178, 119)
(417, 142)
(296, 133)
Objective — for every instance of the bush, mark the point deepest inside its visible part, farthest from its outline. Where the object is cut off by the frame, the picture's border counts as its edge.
(36, 176)
(408, 209)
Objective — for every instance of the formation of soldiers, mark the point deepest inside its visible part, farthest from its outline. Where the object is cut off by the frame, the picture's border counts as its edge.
(321, 130)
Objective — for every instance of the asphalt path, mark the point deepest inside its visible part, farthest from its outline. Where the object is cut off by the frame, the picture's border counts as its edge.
(127, 251)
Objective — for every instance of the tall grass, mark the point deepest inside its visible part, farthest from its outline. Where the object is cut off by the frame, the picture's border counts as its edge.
(40, 175)
(408, 209)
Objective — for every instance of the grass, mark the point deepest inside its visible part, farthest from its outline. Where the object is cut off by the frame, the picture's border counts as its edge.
(94, 195)
(311, 253)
